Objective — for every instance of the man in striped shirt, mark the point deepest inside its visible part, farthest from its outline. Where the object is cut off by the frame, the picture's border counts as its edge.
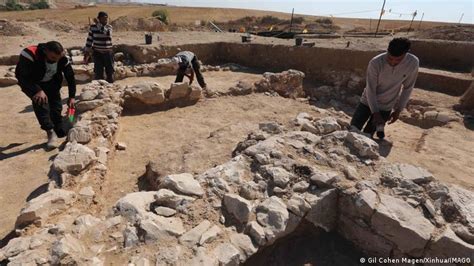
(99, 45)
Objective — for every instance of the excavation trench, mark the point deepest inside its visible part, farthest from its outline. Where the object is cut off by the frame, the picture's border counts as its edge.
(197, 135)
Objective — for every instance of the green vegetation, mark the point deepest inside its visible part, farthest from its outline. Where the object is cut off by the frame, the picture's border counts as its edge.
(39, 5)
(162, 15)
(13, 5)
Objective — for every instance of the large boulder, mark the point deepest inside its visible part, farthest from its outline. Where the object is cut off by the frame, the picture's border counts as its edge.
(400, 223)
(272, 215)
(287, 84)
(449, 245)
(39, 208)
(147, 93)
(67, 251)
(323, 209)
(179, 90)
(73, 159)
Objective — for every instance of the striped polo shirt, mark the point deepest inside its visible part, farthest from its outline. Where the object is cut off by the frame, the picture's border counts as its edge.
(100, 38)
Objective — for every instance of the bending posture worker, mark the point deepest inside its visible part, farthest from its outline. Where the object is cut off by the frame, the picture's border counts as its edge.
(40, 75)
(99, 46)
(185, 61)
(391, 77)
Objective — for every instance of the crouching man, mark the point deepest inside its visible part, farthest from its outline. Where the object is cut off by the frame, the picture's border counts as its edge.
(391, 77)
(40, 75)
(186, 62)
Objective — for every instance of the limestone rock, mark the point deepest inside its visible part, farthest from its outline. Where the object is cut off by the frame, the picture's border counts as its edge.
(147, 93)
(257, 233)
(280, 176)
(183, 184)
(164, 211)
(179, 90)
(84, 106)
(402, 224)
(73, 159)
(364, 146)
(130, 237)
(238, 207)
(192, 237)
(244, 244)
(87, 192)
(16, 246)
(327, 125)
(448, 245)
(227, 254)
(402, 171)
(323, 179)
(158, 228)
(273, 216)
(67, 250)
(88, 95)
(301, 186)
(80, 134)
(44, 205)
(323, 211)
(211, 234)
(167, 256)
(287, 84)
(168, 198)
(134, 205)
(298, 205)
(195, 94)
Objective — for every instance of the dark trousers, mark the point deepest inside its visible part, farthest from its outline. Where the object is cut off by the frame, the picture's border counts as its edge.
(197, 71)
(362, 114)
(49, 114)
(104, 60)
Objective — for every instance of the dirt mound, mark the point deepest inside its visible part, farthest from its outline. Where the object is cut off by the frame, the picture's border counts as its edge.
(451, 33)
(13, 28)
(133, 24)
(57, 26)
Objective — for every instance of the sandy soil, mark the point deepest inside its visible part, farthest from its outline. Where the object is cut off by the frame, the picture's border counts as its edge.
(183, 15)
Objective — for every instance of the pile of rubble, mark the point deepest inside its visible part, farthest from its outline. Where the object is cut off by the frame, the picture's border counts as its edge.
(314, 171)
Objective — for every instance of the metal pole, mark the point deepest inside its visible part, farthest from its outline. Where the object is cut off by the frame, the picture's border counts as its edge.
(370, 25)
(462, 15)
(380, 18)
(422, 16)
(414, 15)
(291, 21)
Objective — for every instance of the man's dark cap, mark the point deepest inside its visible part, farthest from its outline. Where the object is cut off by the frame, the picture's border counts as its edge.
(102, 14)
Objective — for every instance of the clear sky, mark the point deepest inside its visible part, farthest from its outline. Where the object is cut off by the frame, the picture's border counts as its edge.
(435, 10)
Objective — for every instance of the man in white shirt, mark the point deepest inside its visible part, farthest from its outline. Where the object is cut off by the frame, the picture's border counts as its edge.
(391, 77)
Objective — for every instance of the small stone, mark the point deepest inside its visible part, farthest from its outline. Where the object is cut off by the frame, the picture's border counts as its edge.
(73, 159)
(324, 180)
(301, 186)
(280, 176)
(121, 146)
(164, 211)
(130, 237)
(87, 192)
(351, 172)
(158, 228)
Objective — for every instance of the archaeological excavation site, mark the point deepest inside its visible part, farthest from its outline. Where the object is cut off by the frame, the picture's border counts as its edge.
(260, 168)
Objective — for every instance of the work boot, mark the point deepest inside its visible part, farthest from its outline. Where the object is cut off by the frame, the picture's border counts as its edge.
(52, 139)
